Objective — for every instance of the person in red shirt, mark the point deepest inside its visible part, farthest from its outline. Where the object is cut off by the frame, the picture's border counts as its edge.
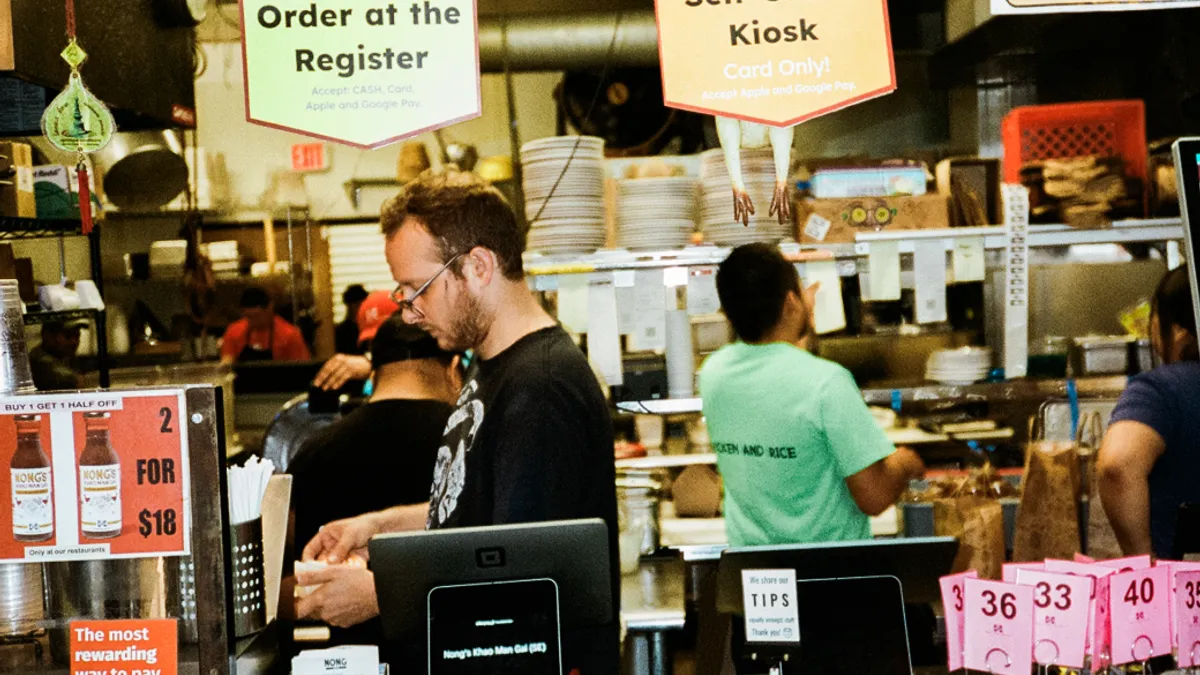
(260, 335)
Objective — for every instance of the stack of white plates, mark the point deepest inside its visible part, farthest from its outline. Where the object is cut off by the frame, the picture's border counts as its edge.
(569, 217)
(958, 366)
(716, 200)
(656, 213)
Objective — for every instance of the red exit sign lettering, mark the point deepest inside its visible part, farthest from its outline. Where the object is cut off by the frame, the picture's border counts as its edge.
(309, 157)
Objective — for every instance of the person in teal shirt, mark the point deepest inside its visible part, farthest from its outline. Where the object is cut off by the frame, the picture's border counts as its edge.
(801, 457)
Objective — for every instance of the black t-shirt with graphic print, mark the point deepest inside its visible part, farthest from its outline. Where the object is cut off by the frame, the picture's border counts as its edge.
(531, 440)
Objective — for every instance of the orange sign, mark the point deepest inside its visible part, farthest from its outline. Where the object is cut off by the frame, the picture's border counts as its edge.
(778, 62)
(94, 476)
(127, 646)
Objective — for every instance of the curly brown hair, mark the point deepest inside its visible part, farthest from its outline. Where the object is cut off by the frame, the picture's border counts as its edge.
(461, 211)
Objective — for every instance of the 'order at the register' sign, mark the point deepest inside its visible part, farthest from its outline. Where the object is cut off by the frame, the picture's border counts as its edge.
(769, 601)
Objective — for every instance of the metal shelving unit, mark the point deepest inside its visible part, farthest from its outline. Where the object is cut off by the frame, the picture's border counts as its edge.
(38, 318)
(14, 229)
(1040, 236)
(34, 228)
(1008, 390)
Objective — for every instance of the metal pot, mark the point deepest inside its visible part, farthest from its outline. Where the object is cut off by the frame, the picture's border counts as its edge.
(102, 589)
(20, 599)
(142, 169)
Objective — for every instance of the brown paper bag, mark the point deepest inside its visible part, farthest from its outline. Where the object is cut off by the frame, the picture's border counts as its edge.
(978, 524)
(697, 492)
(1101, 542)
(1048, 515)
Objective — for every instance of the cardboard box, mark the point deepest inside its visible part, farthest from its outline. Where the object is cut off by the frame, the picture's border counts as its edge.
(829, 221)
(978, 181)
(57, 190)
(16, 180)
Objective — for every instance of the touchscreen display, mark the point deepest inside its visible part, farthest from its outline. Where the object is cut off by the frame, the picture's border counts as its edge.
(503, 628)
(848, 626)
(1187, 166)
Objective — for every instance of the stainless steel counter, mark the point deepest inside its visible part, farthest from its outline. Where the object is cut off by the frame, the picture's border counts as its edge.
(652, 603)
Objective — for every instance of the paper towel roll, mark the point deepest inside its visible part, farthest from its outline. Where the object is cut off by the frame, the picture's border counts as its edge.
(681, 360)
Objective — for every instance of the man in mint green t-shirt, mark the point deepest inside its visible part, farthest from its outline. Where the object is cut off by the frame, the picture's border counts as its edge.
(801, 457)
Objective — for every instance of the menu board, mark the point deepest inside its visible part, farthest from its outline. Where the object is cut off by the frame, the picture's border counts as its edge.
(1066, 6)
(776, 63)
(94, 476)
(359, 72)
(1187, 176)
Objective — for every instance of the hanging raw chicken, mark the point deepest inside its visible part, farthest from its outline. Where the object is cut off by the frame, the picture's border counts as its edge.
(737, 134)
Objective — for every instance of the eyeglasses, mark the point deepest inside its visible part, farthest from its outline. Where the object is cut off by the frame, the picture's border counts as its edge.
(407, 303)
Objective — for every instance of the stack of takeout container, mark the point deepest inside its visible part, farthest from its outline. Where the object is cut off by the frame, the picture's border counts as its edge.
(563, 181)
(716, 200)
(656, 213)
(958, 366)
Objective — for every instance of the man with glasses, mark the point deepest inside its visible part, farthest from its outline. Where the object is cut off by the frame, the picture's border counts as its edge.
(531, 438)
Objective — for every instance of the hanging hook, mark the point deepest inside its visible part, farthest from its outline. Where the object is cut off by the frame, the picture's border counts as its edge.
(988, 659)
(1133, 648)
(1053, 661)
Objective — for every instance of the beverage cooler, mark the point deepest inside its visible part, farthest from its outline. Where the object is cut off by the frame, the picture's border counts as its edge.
(115, 553)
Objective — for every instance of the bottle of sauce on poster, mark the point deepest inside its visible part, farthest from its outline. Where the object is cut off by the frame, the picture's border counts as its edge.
(32, 502)
(99, 481)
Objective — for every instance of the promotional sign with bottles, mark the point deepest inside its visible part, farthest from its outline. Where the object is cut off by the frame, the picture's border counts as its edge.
(94, 476)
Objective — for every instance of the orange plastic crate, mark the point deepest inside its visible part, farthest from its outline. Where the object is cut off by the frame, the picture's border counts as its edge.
(1066, 130)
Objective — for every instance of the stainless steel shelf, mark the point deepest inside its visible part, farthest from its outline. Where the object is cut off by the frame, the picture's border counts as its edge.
(1009, 390)
(36, 318)
(1121, 232)
(37, 228)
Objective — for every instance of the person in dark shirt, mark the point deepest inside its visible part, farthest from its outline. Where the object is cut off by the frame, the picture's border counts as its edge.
(52, 363)
(1150, 456)
(531, 439)
(345, 335)
(381, 454)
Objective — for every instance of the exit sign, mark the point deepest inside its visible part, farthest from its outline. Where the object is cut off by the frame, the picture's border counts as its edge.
(309, 157)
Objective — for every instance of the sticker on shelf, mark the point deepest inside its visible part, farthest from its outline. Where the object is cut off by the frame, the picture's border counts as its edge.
(883, 259)
(829, 314)
(604, 337)
(817, 226)
(702, 291)
(626, 309)
(573, 303)
(24, 179)
(675, 276)
(968, 259)
(624, 278)
(650, 304)
(929, 280)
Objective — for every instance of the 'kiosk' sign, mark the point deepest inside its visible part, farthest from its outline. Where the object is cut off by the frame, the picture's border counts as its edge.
(778, 62)
(361, 72)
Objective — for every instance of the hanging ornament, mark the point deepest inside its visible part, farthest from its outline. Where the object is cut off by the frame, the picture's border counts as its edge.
(76, 121)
